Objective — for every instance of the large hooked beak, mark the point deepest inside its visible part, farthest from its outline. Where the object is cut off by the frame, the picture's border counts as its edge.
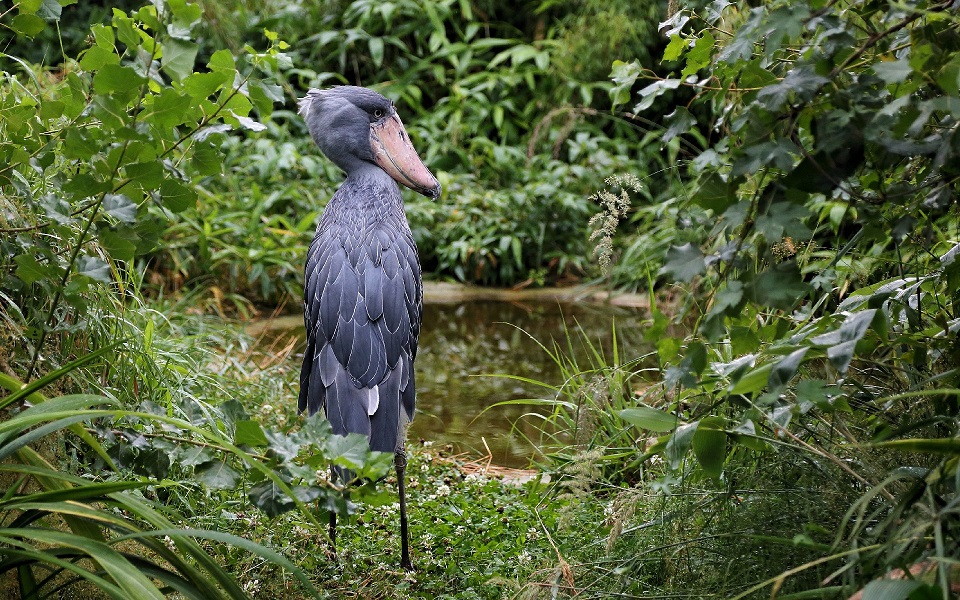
(395, 154)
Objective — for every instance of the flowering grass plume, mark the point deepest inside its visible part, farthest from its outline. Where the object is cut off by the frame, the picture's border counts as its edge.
(613, 208)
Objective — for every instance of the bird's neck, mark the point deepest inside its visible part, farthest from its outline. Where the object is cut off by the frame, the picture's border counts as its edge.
(368, 194)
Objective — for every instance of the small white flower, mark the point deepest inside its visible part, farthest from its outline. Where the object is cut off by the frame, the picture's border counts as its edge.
(443, 490)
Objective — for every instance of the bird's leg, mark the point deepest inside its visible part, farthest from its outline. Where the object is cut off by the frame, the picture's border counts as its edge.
(333, 520)
(400, 462)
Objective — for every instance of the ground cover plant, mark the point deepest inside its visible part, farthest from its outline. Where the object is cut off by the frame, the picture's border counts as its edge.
(781, 178)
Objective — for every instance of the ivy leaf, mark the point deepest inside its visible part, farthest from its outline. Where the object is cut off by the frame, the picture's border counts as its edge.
(624, 75)
(270, 499)
(700, 55)
(217, 474)
(152, 462)
(802, 81)
(348, 451)
(675, 48)
(653, 91)
(683, 263)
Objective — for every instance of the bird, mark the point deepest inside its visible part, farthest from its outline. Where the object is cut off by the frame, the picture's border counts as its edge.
(363, 291)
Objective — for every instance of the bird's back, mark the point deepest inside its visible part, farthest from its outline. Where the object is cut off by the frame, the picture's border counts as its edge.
(362, 310)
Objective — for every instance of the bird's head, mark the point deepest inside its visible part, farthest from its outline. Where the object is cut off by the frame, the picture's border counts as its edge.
(354, 125)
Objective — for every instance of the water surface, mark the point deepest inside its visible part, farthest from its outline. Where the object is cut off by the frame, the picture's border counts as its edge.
(464, 345)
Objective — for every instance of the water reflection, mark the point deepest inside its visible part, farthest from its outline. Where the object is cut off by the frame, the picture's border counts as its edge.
(462, 344)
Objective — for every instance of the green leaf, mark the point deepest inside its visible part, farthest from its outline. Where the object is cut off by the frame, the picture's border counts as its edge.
(120, 208)
(752, 381)
(170, 108)
(30, 270)
(783, 371)
(683, 263)
(27, 24)
(115, 78)
(202, 85)
(120, 243)
(654, 91)
(177, 197)
(653, 419)
(249, 432)
(96, 58)
(94, 268)
(178, 58)
(103, 36)
(710, 445)
(376, 50)
(679, 444)
(217, 474)
(781, 286)
(348, 451)
(152, 462)
(949, 446)
(675, 48)
(222, 62)
(891, 589)
(680, 121)
(699, 56)
(185, 13)
(894, 71)
(148, 174)
(269, 498)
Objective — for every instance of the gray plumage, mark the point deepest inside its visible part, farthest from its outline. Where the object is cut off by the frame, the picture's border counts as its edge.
(363, 296)
(363, 291)
(362, 309)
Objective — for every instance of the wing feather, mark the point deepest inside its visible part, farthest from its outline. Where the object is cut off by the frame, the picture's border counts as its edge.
(362, 307)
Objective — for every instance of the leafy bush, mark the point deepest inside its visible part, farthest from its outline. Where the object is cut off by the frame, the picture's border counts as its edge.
(818, 255)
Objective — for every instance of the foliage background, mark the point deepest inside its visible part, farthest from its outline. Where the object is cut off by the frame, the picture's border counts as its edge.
(786, 173)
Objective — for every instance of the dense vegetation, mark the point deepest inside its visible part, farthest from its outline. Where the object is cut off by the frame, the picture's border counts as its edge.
(786, 175)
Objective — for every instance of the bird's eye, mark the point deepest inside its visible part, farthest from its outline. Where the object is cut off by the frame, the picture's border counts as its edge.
(377, 113)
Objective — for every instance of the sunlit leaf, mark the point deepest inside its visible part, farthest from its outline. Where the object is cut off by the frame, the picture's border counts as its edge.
(653, 419)
(710, 445)
(250, 433)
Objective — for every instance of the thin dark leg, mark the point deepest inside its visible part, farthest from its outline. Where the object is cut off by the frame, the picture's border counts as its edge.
(333, 521)
(400, 462)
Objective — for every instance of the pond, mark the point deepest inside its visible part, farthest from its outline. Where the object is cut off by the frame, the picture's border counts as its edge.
(467, 340)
